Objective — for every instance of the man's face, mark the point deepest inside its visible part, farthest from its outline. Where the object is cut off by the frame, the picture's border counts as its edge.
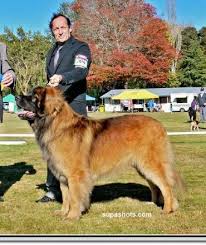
(61, 30)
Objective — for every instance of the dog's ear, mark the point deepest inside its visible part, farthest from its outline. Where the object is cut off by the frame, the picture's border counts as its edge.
(38, 97)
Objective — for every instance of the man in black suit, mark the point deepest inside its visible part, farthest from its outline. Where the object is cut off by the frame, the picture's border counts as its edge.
(67, 66)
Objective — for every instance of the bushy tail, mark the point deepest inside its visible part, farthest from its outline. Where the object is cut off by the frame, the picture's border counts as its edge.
(174, 177)
(179, 182)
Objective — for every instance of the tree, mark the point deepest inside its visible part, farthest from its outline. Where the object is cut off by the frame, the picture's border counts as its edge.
(192, 66)
(189, 34)
(27, 55)
(129, 43)
(175, 35)
(202, 37)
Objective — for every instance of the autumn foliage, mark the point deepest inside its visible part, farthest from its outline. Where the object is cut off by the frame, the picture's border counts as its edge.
(128, 41)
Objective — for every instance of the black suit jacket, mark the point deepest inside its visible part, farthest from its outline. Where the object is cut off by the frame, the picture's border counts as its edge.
(74, 83)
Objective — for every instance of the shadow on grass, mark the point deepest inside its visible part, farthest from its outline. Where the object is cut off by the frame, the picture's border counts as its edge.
(10, 174)
(109, 192)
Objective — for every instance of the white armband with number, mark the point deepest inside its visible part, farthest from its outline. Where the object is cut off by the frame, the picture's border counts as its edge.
(80, 61)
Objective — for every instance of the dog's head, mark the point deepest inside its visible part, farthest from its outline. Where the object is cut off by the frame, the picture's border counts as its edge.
(195, 123)
(42, 101)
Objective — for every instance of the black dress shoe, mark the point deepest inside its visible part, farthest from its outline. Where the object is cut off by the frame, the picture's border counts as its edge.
(46, 199)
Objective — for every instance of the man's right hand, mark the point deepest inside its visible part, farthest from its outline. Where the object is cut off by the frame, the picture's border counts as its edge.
(55, 80)
(26, 115)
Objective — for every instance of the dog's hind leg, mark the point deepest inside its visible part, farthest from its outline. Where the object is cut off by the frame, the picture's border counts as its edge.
(155, 193)
(166, 188)
(158, 182)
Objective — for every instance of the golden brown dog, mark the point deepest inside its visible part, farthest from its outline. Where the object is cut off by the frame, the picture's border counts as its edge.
(78, 150)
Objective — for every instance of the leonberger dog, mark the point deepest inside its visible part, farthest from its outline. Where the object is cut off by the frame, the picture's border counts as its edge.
(78, 149)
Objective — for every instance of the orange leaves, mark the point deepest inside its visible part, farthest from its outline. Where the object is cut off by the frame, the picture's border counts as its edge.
(127, 40)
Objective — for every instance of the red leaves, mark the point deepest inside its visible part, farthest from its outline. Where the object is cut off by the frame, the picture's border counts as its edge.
(127, 40)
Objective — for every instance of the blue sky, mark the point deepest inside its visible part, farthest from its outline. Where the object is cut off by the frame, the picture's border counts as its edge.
(188, 12)
(34, 15)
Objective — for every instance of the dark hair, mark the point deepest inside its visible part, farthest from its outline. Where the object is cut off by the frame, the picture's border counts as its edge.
(56, 15)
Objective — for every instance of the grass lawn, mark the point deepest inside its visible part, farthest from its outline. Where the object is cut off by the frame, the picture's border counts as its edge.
(120, 204)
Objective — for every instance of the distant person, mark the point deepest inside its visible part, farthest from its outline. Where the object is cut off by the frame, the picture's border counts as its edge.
(124, 105)
(130, 106)
(201, 99)
(8, 77)
(193, 109)
(150, 105)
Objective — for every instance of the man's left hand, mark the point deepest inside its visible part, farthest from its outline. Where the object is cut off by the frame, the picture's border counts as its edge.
(7, 79)
(55, 80)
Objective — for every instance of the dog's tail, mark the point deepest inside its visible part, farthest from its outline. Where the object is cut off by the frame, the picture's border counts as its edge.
(173, 175)
(179, 182)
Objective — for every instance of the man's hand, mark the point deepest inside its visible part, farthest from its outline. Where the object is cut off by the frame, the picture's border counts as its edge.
(7, 79)
(55, 80)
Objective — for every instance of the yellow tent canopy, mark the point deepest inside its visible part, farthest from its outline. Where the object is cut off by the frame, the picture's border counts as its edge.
(140, 94)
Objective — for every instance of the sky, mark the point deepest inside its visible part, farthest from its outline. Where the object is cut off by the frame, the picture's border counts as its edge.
(188, 12)
(34, 15)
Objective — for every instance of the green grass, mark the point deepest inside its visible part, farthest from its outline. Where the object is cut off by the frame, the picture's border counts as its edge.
(22, 168)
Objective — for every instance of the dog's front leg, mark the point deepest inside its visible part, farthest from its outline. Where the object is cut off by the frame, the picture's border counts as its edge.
(75, 198)
(80, 187)
(65, 198)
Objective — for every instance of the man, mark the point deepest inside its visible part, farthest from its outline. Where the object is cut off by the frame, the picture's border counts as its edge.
(201, 99)
(67, 66)
(8, 78)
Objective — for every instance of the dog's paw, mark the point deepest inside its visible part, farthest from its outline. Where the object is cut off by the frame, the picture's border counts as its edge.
(73, 216)
(60, 213)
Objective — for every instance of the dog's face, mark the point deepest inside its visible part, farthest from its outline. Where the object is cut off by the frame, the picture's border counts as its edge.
(42, 101)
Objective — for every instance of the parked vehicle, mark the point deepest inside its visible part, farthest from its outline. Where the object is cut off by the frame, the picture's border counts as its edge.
(181, 101)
